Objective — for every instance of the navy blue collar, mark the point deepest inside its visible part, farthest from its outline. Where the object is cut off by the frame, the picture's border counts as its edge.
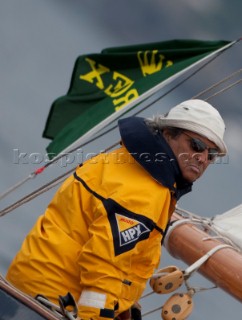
(154, 154)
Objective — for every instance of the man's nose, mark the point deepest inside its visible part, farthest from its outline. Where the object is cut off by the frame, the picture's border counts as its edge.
(202, 157)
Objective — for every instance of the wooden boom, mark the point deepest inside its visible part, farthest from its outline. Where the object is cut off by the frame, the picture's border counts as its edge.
(224, 268)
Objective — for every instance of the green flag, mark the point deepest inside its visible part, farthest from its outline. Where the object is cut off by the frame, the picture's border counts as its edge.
(103, 83)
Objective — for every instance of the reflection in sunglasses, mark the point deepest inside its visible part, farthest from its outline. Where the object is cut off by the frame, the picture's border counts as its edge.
(198, 145)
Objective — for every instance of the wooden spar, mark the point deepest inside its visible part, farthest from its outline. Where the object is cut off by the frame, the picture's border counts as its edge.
(224, 268)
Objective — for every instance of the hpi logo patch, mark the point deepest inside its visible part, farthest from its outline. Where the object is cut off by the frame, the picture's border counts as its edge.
(127, 228)
(130, 230)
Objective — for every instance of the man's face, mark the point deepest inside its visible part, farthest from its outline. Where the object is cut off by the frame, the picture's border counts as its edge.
(191, 162)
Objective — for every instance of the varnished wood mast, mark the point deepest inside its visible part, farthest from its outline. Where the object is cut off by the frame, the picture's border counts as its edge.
(224, 268)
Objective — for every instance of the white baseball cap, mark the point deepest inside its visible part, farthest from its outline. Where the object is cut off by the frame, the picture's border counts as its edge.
(200, 117)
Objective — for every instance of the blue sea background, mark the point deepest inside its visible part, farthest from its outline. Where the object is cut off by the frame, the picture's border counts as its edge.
(40, 41)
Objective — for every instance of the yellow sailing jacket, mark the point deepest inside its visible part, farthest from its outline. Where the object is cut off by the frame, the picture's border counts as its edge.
(100, 237)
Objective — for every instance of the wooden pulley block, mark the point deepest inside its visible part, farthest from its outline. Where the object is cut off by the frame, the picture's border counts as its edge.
(178, 307)
(167, 280)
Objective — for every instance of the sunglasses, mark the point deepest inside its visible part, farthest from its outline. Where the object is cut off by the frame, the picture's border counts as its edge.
(198, 145)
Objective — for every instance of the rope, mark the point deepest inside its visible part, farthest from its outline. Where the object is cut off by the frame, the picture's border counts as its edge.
(224, 89)
(217, 84)
(41, 169)
(35, 193)
(151, 311)
(205, 223)
(56, 309)
(44, 188)
(17, 185)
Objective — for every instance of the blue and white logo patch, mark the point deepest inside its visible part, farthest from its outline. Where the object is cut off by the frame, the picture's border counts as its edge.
(130, 230)
(127, 227)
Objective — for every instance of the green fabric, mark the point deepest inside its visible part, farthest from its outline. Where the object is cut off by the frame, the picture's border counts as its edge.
(103, 83)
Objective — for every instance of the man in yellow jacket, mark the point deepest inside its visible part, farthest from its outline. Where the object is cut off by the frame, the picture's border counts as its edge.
(100, 237)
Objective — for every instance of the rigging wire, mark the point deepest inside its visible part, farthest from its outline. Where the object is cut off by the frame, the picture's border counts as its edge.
(151, 311)
(217, 84)
(50, 162)
(44, 188)
(224, 89)
(35, 193)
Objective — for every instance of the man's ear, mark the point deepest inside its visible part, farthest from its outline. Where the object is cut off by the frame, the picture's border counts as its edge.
(166, 135)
